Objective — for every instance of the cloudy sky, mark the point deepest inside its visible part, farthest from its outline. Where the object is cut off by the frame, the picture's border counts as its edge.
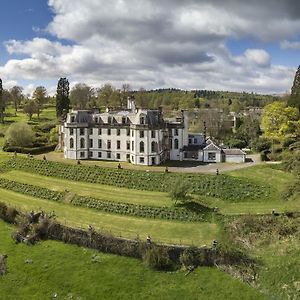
(240, 45)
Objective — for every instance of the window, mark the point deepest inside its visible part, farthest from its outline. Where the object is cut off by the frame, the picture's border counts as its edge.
(176, 143)
(99, 154)
(142, 133)
(128, 145)
(109, 120)
(153, 147)
(211, 155)
(81, 131)
(118, 156)
(90, 154)
(91, 130)
(170, 143)
(108, 144)
(82, 143)
(108, 131)
(91, 143)
(118, 131)
(132, 133)
(132, 145)
(127, 156)
(128, 132)
(96, 119)
(108, 154)
(71, 143)
(71, 131)
(123, 120)
(190, 141)
(142, 159)
(81, 154)
(142, 147)
(132, 158)
(153, 134)
(99, 144)
(118, 144)
(72, 119)
(153, 160)
(142, 120)
(176, 132)
(99, 131)
(195, 141)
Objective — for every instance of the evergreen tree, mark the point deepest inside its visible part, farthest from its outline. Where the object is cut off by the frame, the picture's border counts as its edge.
(62, 97)
(2, 104)
(294, 100)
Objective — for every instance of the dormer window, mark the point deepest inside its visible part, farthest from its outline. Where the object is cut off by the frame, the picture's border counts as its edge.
(72, 119)
(109, 120)
(123, 120)
(96, 120)
(142, 120)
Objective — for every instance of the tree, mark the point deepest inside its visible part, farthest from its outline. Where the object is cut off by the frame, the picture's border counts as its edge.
(294, 99)
(30, 108)
(124, 94)
(40, 97)
(62, 97)
(104, 94)
(276, 117)
(20, 135)
(81, 96)
(16, 95)
(2, 103)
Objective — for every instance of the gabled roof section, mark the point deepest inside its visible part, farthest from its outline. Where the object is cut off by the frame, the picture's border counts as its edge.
(212, 147)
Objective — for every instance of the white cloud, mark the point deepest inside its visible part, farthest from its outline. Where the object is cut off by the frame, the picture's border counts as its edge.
(290, 45)
(156, 43)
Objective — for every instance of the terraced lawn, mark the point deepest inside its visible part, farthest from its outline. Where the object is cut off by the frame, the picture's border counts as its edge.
(200, 233)
(99, 191)
(68, 271)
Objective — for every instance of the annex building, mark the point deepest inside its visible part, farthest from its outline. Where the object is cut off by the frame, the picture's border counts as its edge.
(139, 136)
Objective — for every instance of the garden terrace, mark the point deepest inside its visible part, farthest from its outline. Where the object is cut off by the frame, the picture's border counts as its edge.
(225, 187)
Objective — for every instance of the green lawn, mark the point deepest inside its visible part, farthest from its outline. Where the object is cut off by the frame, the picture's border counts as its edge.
(99, 191)
(160, 230)
(69, 272)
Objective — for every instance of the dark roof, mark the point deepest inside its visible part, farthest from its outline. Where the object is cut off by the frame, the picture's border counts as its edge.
(233, 152)
(212, 147)
(193, 147)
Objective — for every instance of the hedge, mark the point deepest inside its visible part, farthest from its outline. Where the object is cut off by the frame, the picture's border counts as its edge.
(27, 150)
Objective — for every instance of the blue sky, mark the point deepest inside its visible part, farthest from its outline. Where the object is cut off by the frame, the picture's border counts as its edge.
(191, 44)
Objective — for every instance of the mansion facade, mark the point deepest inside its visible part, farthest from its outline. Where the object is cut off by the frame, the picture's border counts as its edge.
(139, 136)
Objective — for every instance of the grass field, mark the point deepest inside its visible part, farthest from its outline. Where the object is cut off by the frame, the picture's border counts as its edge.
(69, 272)
(160, 230)
(99, 191)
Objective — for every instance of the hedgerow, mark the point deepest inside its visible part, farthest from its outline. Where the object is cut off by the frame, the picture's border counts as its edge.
(31, 190)
(221, 186)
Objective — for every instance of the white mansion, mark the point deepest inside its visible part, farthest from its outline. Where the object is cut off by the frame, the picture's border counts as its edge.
(140, 136)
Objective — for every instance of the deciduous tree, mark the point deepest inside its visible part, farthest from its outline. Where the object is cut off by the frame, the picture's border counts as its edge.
(16, 95)
(40, 98)
(81, 96)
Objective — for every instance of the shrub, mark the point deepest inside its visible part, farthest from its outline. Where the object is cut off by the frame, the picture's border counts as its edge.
(157, 258)
(179, 190)
(26, 150)
(261, 144)
(20, 134)
(189, 257)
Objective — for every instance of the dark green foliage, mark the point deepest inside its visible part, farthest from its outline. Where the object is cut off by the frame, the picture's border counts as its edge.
(261, 144)
(191, 257)
(179, 190)
(2, 103)
(157, 258)
(222, 186)
(33, 150)
(62, 97)
(8, 214)
(294, 99)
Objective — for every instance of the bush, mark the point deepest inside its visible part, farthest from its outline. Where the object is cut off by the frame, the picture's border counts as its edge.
(20, 135)
(157, 258)
(180, 190)
(190, 257)
(261, 144)
(26, 150)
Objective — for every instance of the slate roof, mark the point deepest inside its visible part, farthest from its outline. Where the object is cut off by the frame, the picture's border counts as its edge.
(212, 147)
(233, 152)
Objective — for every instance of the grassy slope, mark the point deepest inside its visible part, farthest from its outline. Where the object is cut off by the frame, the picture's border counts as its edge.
(68, 271)
(160, 230)
(99, 191)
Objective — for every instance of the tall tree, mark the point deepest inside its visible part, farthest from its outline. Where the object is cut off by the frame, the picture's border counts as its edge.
(30, 108)
(62, 97)
(2, 103)
(104, 95)
(16, 95)
(294, 99)
(81, 96)
(124, 94)
(40, 98)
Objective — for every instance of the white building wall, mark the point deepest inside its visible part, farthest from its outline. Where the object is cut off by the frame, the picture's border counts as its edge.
(235, 158)
(217, 159)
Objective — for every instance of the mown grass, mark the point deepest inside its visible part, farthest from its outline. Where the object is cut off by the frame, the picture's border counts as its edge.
(200, 233)
(69, 272)
(99, 191)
